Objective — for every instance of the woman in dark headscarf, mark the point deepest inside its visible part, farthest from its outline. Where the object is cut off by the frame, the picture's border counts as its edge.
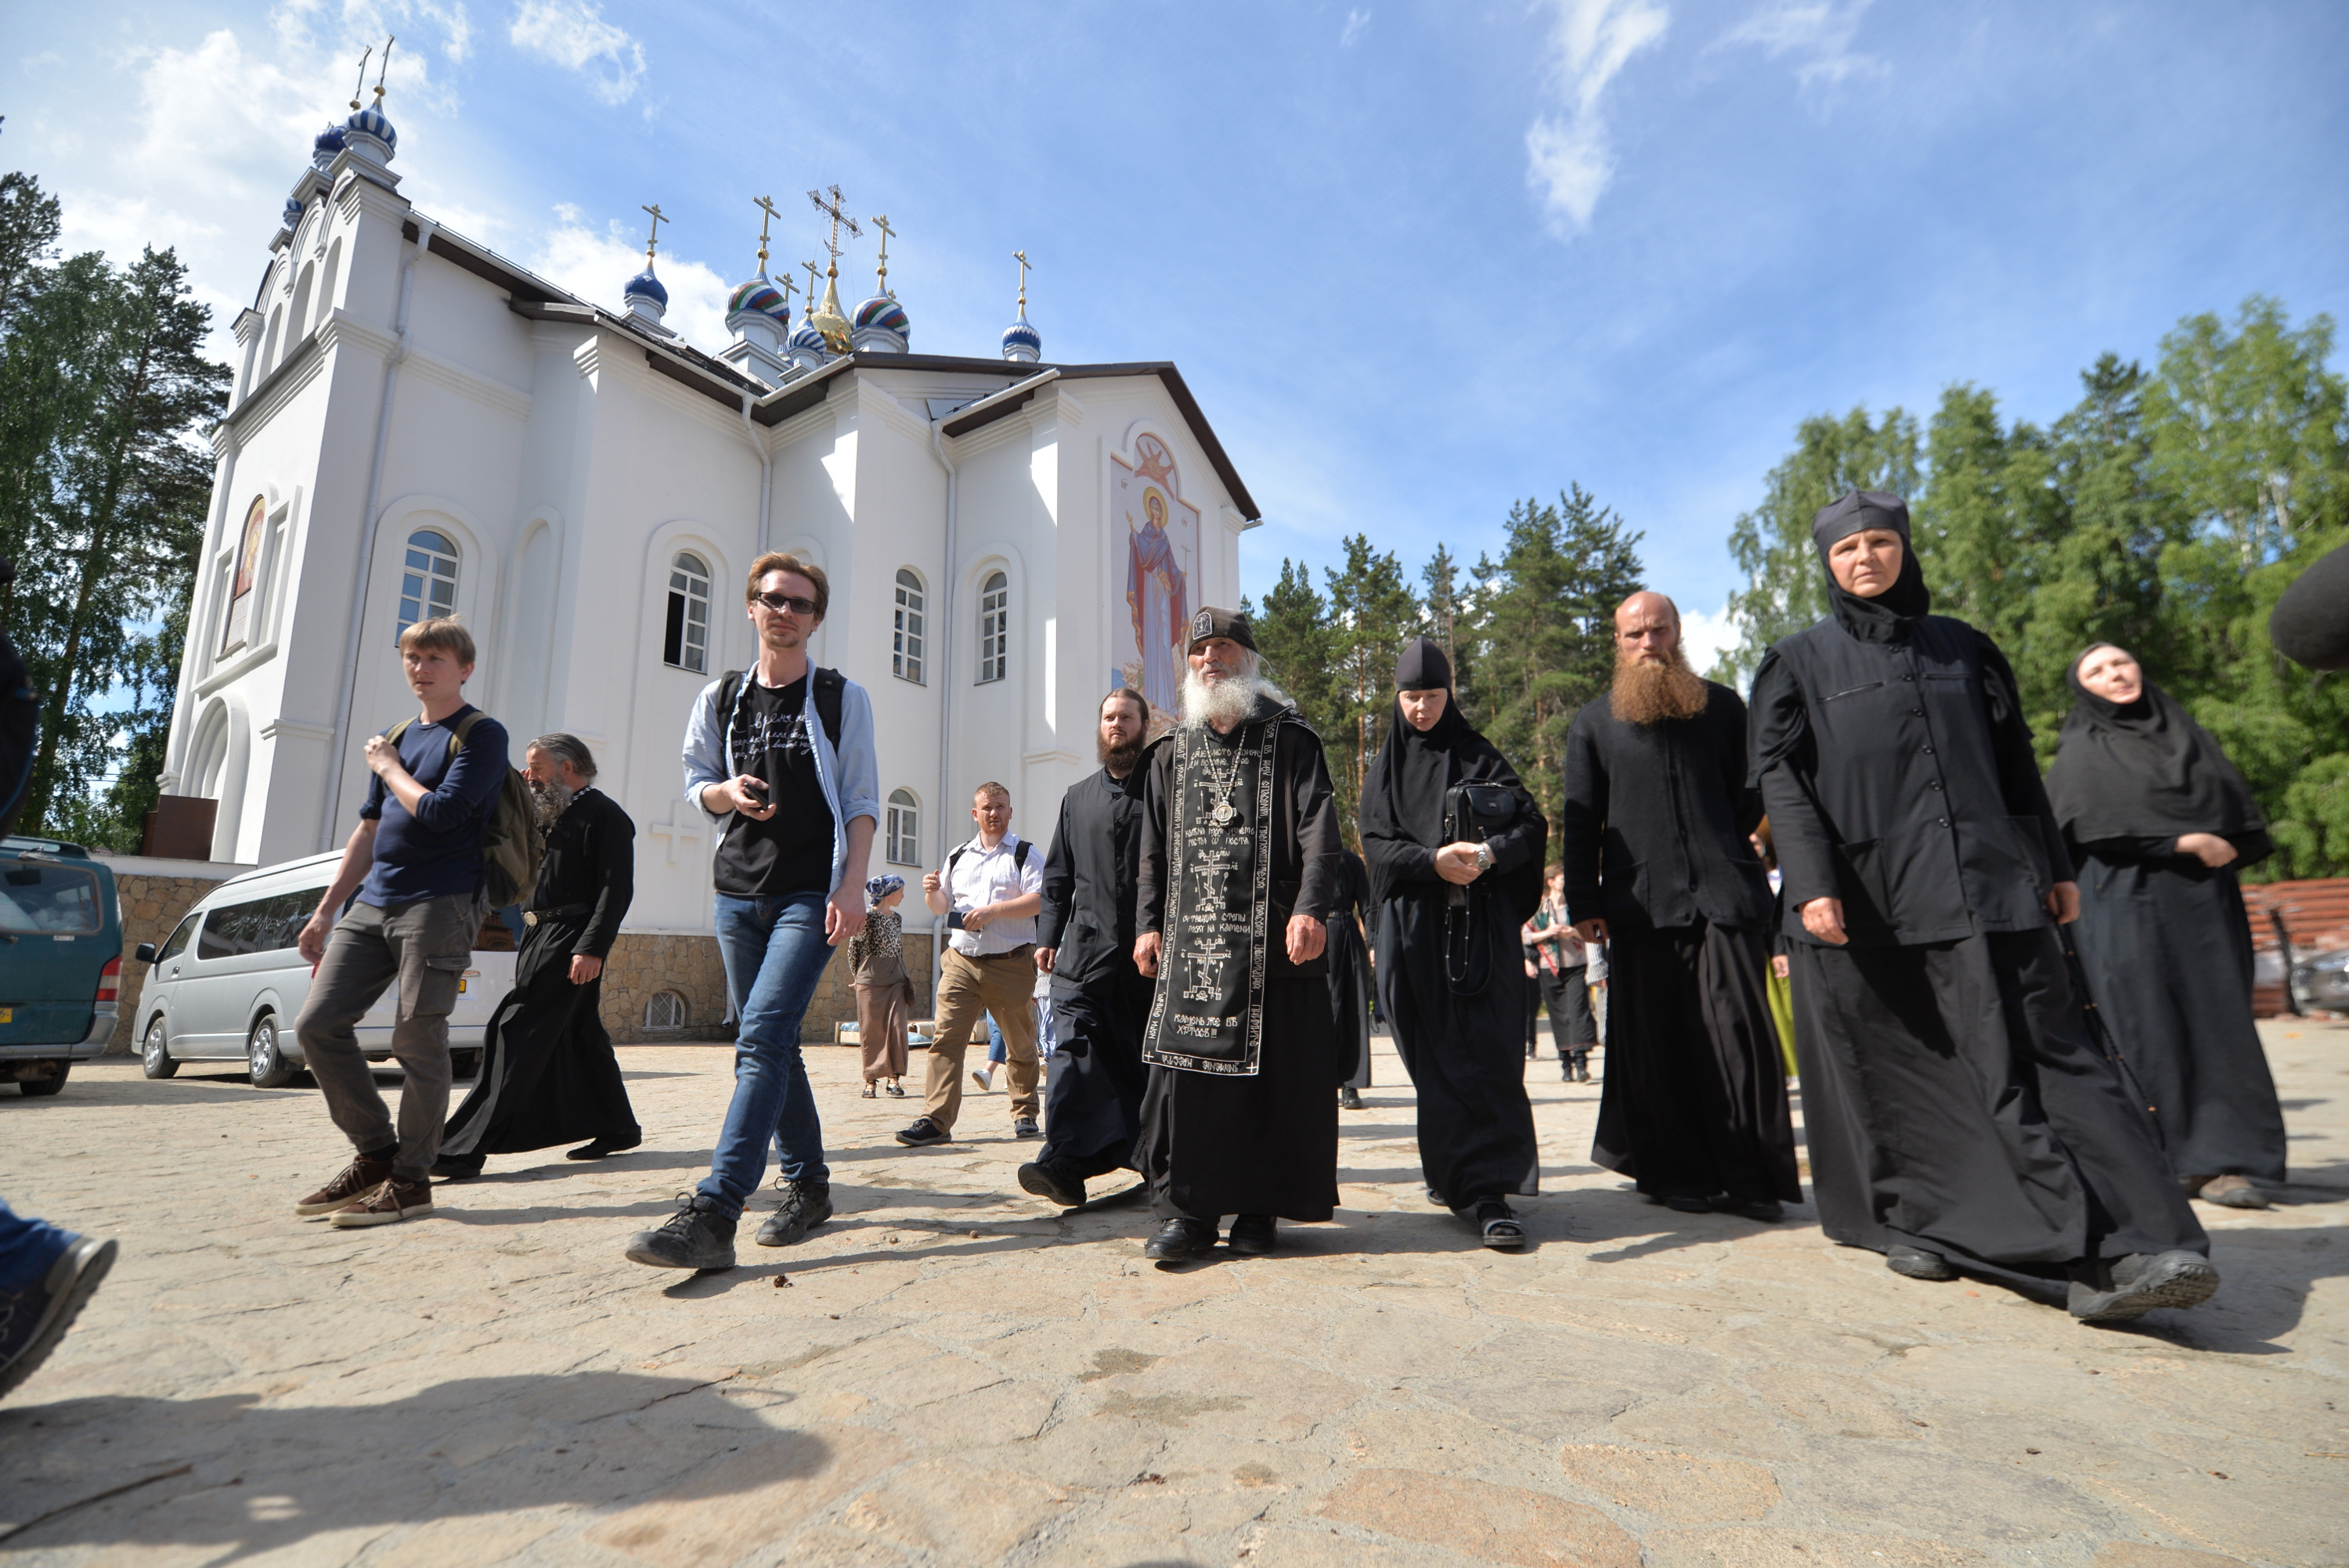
(1959, 1114)
(2157, 820)
(1451, 975)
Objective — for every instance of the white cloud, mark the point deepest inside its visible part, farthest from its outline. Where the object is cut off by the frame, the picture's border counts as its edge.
(1816, 34)
(1567, 158)
(596, 265)
(573, 34)
(1356, 20)
(1704, 638)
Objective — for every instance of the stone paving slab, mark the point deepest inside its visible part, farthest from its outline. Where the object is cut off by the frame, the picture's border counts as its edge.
(951, 1373)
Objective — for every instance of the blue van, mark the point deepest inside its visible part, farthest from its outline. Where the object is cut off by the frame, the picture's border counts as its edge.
(60, 961)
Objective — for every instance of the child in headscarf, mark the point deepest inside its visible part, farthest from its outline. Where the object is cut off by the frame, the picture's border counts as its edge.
(885, 992)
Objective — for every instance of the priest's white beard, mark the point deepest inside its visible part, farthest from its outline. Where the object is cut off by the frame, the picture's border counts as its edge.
(1224, 703)
(549, 800)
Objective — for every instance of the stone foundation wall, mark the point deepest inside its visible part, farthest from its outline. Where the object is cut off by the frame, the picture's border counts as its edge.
(154, 896)
(642, 966)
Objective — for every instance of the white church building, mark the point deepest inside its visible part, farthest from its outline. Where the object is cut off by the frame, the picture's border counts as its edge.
(419, 426)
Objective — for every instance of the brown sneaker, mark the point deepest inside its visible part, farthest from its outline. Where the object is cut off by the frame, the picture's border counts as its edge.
(359, 1178)
(394, 1200)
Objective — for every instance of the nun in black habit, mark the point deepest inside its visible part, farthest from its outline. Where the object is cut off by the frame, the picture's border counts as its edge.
(1451, 971)
(2157, 820)
(1349, 980)
(548, 1072)
(1958, 1113)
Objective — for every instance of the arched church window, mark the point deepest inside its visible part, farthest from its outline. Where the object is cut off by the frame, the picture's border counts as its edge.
(269, 341)
(905, 652)
(428, 580)
(903, 841)
(994, 628)
(685, 644)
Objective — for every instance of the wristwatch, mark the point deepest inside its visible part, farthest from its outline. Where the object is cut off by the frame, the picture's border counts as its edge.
(1484, 857)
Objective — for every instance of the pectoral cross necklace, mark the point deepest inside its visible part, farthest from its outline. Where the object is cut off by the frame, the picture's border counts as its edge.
(1224, 812)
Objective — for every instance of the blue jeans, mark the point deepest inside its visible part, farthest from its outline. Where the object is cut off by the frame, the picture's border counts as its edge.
(774, 952)
(997, 1051)
(28, 1249)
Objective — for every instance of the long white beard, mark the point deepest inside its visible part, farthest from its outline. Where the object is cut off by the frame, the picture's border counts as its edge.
(1227, 702)
(550, 800)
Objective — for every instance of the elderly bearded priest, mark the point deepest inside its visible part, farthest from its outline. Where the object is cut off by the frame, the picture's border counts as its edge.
(1239, 870)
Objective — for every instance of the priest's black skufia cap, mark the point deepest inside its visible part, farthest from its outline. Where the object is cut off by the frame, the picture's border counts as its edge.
(2310, 624)
(1421, 666)
(1210, 621)
(1858, 510)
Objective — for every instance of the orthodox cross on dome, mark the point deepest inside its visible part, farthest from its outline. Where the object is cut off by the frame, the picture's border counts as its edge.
(359, 85)
(838, 213)
(1021, 257)
(826, 315)
(789, 288)
(652, 240)
(766, 205)
(808, 300)
(383, 67)
(888, 234)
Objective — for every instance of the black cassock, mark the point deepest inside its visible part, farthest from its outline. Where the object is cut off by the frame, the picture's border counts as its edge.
(1953, 1095)
(1093, 1096)
(548, 1074)
(1452, 974)
(2165, 943)
(1349, 972)
(1657, 824)
(1263, 1142)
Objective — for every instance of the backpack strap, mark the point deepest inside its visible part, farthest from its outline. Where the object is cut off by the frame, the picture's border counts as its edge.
(1018, 856)
(829, 686)
(464, 727)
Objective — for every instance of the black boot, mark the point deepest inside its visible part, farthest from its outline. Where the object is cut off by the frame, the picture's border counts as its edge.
(1253, 1235)
(2133, 1285)
(1067, 1192)
(1916, 1263)
(696, 1237)
(805, 1205)
(1180, 1238)
(1350, 1098)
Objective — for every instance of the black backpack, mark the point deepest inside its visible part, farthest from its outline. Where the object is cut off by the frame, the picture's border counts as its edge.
(828, 685)
(1019, 858)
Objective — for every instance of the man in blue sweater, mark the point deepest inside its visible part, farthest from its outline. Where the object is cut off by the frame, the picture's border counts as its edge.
(415, 862)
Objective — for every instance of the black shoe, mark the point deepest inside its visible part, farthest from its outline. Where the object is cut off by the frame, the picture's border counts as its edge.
(1181, 1238)
(1768, 1211)
(602, 1146)
(2138, 1283)
(1025, 1126)
(1253, 1235)
(923, 1133)
(459, 1167)
(1069, 1191)
(696, 1237)
(1350, 1098)
(805, 1205)
(1680, 1204)
(1582, 1075)
(1916, 1263)
(1497, 1227)
(32, 1320)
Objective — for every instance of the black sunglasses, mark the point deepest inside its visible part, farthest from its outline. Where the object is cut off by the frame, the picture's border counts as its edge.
(791, 602)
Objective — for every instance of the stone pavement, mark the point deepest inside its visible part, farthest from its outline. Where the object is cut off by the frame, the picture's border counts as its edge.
(949, 1373)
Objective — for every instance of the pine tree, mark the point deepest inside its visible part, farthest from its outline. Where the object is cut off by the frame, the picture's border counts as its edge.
(1371, 611)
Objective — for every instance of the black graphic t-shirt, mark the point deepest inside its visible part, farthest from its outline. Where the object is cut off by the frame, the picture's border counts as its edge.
(791, 851)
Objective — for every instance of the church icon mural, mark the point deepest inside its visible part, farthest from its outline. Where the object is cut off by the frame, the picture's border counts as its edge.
(1161, 552)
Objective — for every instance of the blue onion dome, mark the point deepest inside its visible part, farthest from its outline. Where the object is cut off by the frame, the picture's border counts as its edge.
(1022, 342)
(292, 218)
(757, 295)
(808, 338)
(372, 121)
(884, 313)
(329, 143)
(649, 286)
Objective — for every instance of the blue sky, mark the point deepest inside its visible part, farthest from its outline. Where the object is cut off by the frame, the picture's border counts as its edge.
(1416, 261)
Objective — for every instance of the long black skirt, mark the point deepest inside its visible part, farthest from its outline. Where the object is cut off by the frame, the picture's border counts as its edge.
(1953, 1099)
(2168, 951)
(1092, 1095)
(1349, 1002)
(1695, 1101)
(1465, 1053)
(548, 1074)
(1212, 1145)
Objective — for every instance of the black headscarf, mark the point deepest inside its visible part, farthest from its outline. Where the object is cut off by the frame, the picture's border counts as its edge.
(2144, 769)
(1402, 795)
(1888, 617)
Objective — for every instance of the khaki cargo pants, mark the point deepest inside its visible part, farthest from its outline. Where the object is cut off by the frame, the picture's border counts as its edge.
(1004, 985)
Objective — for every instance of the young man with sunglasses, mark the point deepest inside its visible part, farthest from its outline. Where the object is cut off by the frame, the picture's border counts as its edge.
(782, 757)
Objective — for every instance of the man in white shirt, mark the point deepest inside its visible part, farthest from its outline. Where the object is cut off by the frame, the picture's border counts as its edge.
(990, 890)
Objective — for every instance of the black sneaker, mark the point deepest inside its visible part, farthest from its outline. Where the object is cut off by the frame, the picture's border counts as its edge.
(32, 1320)
(1025, 1126)
(696, 1237)
(2135, 1285)
(1916, 1263)
(923, 1133)
(1069, 1191)
(1180, 1238)
(1253, 1235)
(805, 1205)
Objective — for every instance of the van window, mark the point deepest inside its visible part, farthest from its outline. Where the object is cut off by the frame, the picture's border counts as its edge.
(179, 942)
(261, 925)
(50, 898)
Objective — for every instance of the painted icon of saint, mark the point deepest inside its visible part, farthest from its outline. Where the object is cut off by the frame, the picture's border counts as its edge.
(1158, 594)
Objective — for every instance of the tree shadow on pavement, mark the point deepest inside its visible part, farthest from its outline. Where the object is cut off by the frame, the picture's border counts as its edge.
(261, 1479)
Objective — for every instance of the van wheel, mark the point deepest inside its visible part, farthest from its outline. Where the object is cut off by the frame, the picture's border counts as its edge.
(155, 1052)
(41, 1089)
(263, 1058)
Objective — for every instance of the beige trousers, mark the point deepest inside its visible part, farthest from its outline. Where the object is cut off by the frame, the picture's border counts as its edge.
(969, 989)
